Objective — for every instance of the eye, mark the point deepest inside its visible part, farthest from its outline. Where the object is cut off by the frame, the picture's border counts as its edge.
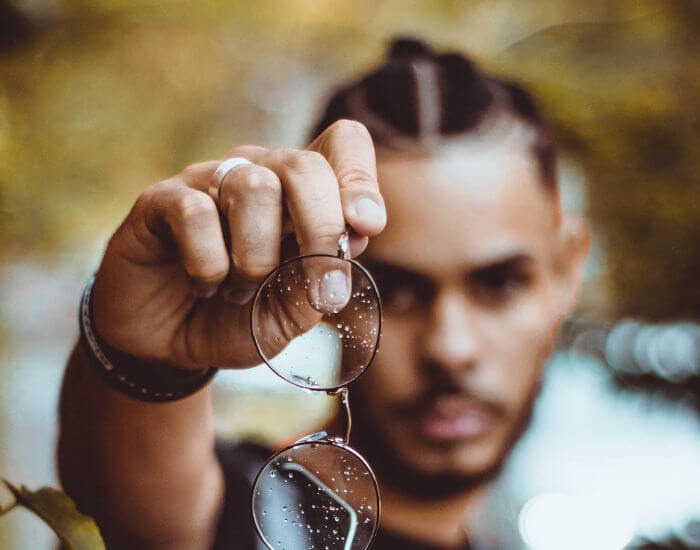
(401, 290)
(496, 284)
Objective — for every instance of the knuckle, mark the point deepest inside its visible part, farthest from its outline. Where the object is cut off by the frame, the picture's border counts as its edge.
(249, 181)
(305, 161)
(193, 205)
(143, 200)
(193, 175)
(206, 267)
(191, 169)
(208, 273)
(252, 266)
(253, 257)
(146, 203)
(154, 190)
(258, 179)
(355, 177)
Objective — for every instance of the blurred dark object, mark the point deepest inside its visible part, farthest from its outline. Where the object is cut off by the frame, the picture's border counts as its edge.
(15, 27)
(688, 539)
(661, 358)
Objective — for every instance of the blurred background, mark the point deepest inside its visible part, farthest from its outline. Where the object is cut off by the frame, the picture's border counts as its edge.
(99, 99)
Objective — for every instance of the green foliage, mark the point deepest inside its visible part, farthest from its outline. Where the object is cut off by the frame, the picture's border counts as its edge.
(113, 95)
(75, 530)
(624, 98)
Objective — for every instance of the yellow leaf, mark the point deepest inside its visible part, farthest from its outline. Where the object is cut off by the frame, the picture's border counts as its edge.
(75, 530)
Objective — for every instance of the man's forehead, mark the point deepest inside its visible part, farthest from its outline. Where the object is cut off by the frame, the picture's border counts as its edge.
(463, 208)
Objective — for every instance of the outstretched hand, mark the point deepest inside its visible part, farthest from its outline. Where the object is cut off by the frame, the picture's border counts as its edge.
(177, 277)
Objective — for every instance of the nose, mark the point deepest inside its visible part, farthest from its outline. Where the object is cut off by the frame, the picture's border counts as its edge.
(452, 336)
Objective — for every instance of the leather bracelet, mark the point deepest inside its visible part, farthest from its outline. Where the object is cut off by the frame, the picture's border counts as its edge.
(135, 377)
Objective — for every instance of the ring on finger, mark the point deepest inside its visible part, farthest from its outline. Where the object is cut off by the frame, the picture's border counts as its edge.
(221, 172)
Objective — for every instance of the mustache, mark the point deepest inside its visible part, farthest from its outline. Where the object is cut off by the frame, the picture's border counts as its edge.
(441, 383)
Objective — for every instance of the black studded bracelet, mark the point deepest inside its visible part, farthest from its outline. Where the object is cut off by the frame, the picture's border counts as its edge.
(139, 379)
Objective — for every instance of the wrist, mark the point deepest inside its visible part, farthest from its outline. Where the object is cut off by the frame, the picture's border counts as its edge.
(141, 379)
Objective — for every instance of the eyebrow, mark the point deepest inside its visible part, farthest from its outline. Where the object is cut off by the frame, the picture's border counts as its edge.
(513, 259)
(507, 260)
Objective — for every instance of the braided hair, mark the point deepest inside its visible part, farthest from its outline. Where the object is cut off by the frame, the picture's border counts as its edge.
(418, 97)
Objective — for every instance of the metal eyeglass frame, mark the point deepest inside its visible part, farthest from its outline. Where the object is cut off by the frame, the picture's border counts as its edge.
(322, 438)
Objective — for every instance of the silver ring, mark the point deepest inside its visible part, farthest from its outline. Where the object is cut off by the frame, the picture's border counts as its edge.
(218, 178)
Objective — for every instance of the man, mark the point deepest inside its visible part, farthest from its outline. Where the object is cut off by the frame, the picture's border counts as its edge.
(476, 267)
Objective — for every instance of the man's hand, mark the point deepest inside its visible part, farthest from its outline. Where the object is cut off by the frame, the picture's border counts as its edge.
(177, 276)
(174, 286)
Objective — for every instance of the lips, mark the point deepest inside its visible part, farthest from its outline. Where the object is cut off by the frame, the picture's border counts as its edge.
(455, 419)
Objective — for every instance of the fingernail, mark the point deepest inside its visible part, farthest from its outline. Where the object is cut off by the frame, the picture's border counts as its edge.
(205, 291)
(240, 296)
(333, 288)
(370, 211)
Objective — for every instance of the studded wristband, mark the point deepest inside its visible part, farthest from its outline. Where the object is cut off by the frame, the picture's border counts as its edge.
(140, 379)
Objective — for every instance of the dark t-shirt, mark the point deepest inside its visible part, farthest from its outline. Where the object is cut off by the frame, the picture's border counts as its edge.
(241, 462)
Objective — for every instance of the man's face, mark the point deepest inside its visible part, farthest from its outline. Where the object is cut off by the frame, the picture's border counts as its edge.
(466, 270)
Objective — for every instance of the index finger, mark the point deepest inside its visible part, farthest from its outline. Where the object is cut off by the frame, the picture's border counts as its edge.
(348, 148)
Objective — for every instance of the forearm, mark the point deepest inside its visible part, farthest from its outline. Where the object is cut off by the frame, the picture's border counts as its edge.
(147, 472)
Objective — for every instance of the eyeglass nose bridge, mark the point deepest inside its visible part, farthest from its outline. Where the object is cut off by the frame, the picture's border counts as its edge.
(345, 400)
(323, 435)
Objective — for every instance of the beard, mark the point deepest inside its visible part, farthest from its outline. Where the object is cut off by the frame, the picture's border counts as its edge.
(392, 470)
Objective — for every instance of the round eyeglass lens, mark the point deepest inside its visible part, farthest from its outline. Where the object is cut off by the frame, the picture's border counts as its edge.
(316, 320)
(316, 496)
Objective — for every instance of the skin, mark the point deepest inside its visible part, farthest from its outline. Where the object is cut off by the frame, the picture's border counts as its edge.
(174, 285)
(471, 301)
(480, 313)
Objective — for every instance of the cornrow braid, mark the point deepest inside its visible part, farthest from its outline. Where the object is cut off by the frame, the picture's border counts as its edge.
(420, 97)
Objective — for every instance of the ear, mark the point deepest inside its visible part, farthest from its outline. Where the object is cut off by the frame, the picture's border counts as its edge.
(571, 256)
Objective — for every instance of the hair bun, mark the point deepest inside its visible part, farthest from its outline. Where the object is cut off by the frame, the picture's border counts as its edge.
(406, 49)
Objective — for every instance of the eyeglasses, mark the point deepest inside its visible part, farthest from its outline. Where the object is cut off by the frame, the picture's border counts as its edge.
(315, 321)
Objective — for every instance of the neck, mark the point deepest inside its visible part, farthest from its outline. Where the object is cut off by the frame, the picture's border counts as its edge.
(441, 523)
